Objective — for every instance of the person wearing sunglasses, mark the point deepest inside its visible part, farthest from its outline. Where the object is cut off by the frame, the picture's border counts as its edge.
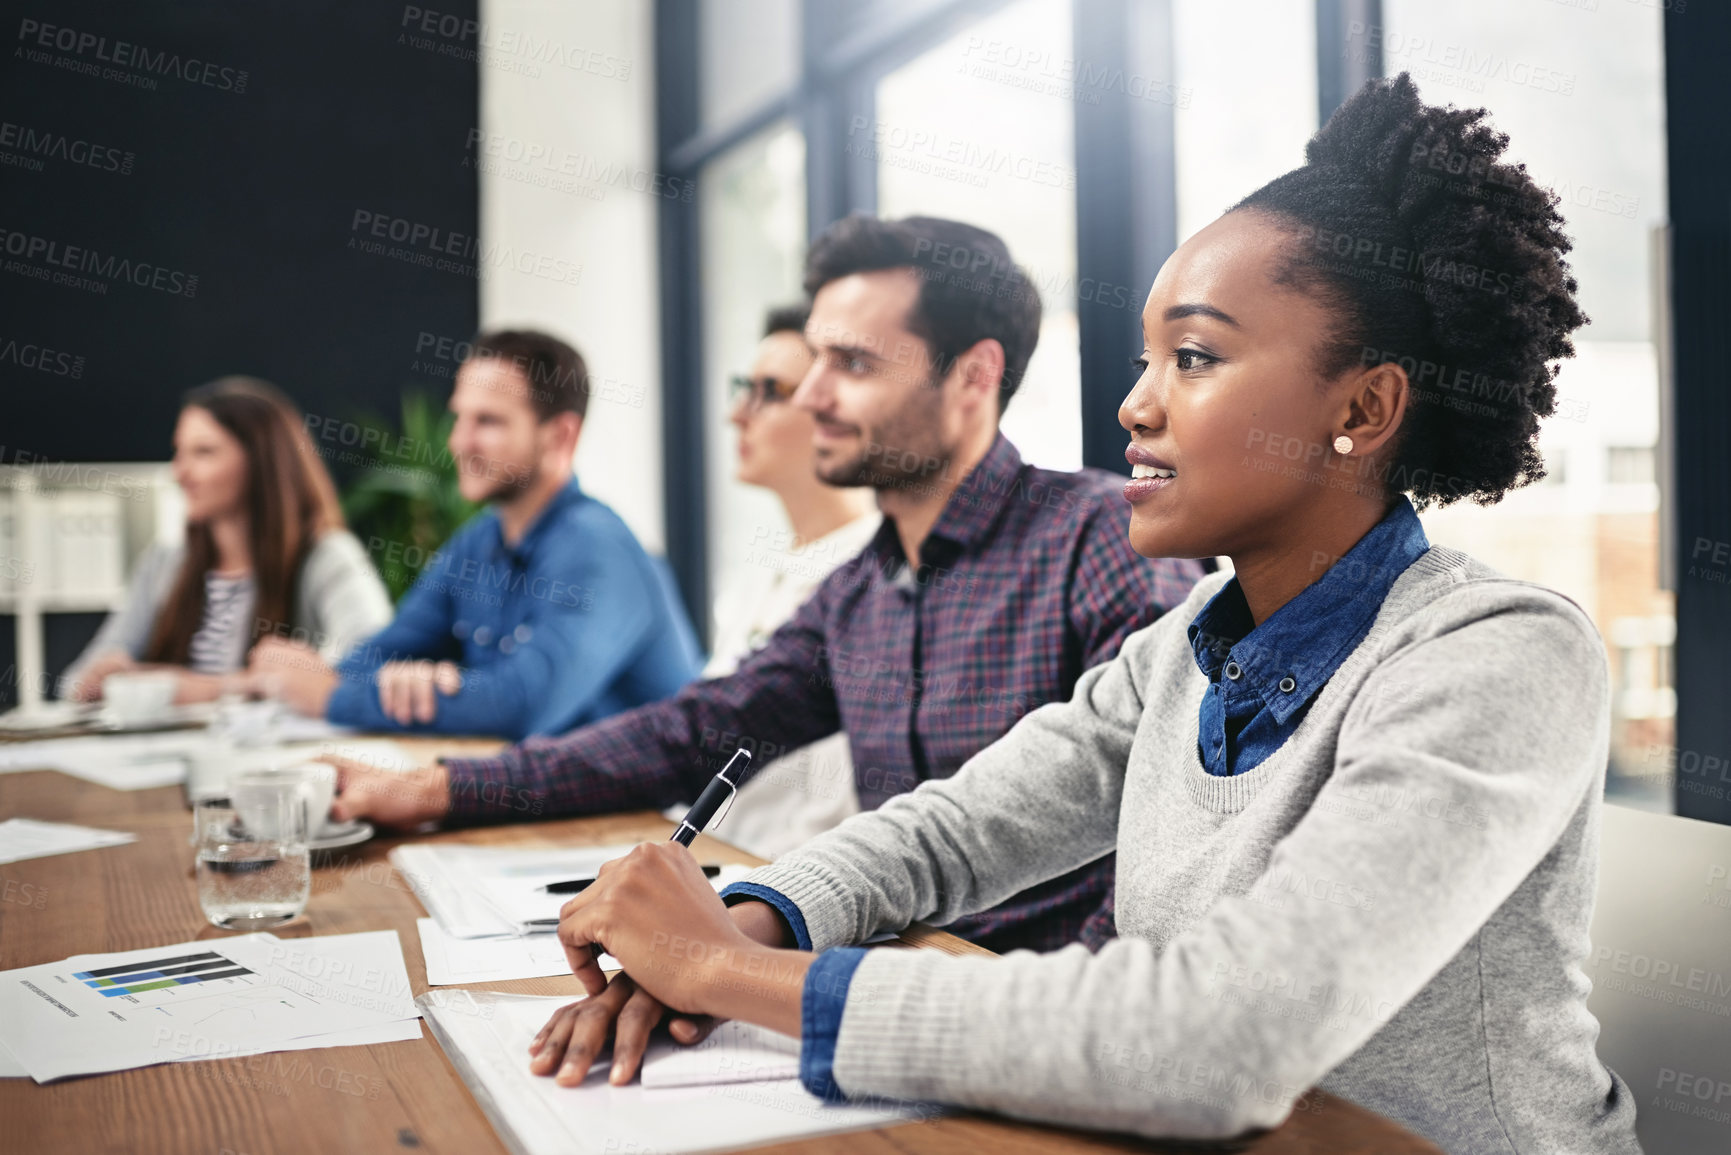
(804, 792)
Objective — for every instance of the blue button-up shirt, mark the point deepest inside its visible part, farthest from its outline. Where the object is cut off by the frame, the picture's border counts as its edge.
(1262, 678)
(573, 624)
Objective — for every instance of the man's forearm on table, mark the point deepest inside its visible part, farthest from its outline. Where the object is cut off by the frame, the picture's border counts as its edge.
(577, 774)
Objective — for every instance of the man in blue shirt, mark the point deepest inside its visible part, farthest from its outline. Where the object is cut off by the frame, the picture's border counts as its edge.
(541, 614)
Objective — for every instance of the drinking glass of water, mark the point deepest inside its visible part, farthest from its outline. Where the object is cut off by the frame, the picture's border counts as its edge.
(253, 868)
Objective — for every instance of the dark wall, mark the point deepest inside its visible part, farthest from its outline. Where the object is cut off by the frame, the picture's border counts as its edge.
(195, 170)
(1698, 131)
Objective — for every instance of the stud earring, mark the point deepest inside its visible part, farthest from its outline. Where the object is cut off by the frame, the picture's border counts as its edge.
(1343, 445)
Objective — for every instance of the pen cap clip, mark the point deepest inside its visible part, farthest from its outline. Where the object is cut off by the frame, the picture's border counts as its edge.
(720, 790)
(725, 806)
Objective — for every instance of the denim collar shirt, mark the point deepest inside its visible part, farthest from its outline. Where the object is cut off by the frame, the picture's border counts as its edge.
(1262, 678)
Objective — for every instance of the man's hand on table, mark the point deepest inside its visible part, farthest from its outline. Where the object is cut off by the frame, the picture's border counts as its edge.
(409, 691)
(388, 797)
(720, 961)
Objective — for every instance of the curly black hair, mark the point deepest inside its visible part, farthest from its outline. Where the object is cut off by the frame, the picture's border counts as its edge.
(1436, 255)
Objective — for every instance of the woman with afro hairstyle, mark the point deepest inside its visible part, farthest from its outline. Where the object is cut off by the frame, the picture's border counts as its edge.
(1354, 786)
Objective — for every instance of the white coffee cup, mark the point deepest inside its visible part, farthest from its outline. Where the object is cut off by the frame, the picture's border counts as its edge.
(319, 786)
(139, 698)
(314, 784)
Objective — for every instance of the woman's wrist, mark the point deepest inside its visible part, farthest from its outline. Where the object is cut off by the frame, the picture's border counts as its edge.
(762, 923)
(756, 984)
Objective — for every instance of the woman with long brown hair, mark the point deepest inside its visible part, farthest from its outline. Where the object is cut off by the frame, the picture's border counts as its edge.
(266, 553)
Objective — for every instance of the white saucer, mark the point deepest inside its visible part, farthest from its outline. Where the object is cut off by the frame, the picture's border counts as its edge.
(337, 835)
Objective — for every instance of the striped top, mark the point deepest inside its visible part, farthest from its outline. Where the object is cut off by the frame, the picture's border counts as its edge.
(220, 645)
(339, 601)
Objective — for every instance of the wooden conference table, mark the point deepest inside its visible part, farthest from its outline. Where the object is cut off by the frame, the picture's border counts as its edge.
(395, 1096)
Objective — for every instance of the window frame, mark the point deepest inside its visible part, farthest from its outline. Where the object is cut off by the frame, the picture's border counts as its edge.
(1122, 239)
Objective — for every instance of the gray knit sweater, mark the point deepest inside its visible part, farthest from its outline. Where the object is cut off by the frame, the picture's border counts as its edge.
(1393, 906)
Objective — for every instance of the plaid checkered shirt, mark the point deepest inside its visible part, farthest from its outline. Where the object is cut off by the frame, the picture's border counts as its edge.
(1026, 580)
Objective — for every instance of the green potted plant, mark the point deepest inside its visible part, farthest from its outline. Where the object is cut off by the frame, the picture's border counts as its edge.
(405, 504)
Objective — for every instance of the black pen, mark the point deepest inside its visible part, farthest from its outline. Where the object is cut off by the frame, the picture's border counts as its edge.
(578, 885)
(719, 790)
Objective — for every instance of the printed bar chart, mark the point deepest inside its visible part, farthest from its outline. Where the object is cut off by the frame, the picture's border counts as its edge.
(136, 978)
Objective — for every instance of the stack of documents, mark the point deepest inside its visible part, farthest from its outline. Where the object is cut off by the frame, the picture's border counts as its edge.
(72, 718)
(736, 1089)
(210, 999)
(118, 761)
(492, 916)
(45, 716)
(500, 958)
(146, 761)
(734, 1052)
(22, 838)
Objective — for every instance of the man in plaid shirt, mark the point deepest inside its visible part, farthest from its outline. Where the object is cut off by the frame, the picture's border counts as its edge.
(991, 586)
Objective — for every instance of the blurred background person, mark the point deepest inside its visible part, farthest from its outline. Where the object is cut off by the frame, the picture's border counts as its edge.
(804, 792)
(543, 612)
(266, 552)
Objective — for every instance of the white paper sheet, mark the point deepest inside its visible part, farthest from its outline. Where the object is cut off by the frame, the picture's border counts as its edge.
(117, 761)
(402, 1031)
(289, 727)
(734, 1052)
(408, 1030)
(11, 1068)
(99, 750)
(487, 1038)
(453, 960)
(22, 838)
(264, 992)
(131, 775)
(45, 716)
(145, 761)
(511, 879)
(56, 715)
(485, 891)
(458, 908)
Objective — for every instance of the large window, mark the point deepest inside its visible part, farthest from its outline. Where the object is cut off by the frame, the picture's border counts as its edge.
(748, 53)
(752, 201)
(1246, 99)
(979, 129)
(1095, 135)
(1581, 93)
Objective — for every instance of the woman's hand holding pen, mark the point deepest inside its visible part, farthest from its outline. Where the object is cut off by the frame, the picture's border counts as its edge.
(656, 913)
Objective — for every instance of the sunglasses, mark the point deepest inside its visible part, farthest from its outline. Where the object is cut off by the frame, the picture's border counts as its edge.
(759, 390)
